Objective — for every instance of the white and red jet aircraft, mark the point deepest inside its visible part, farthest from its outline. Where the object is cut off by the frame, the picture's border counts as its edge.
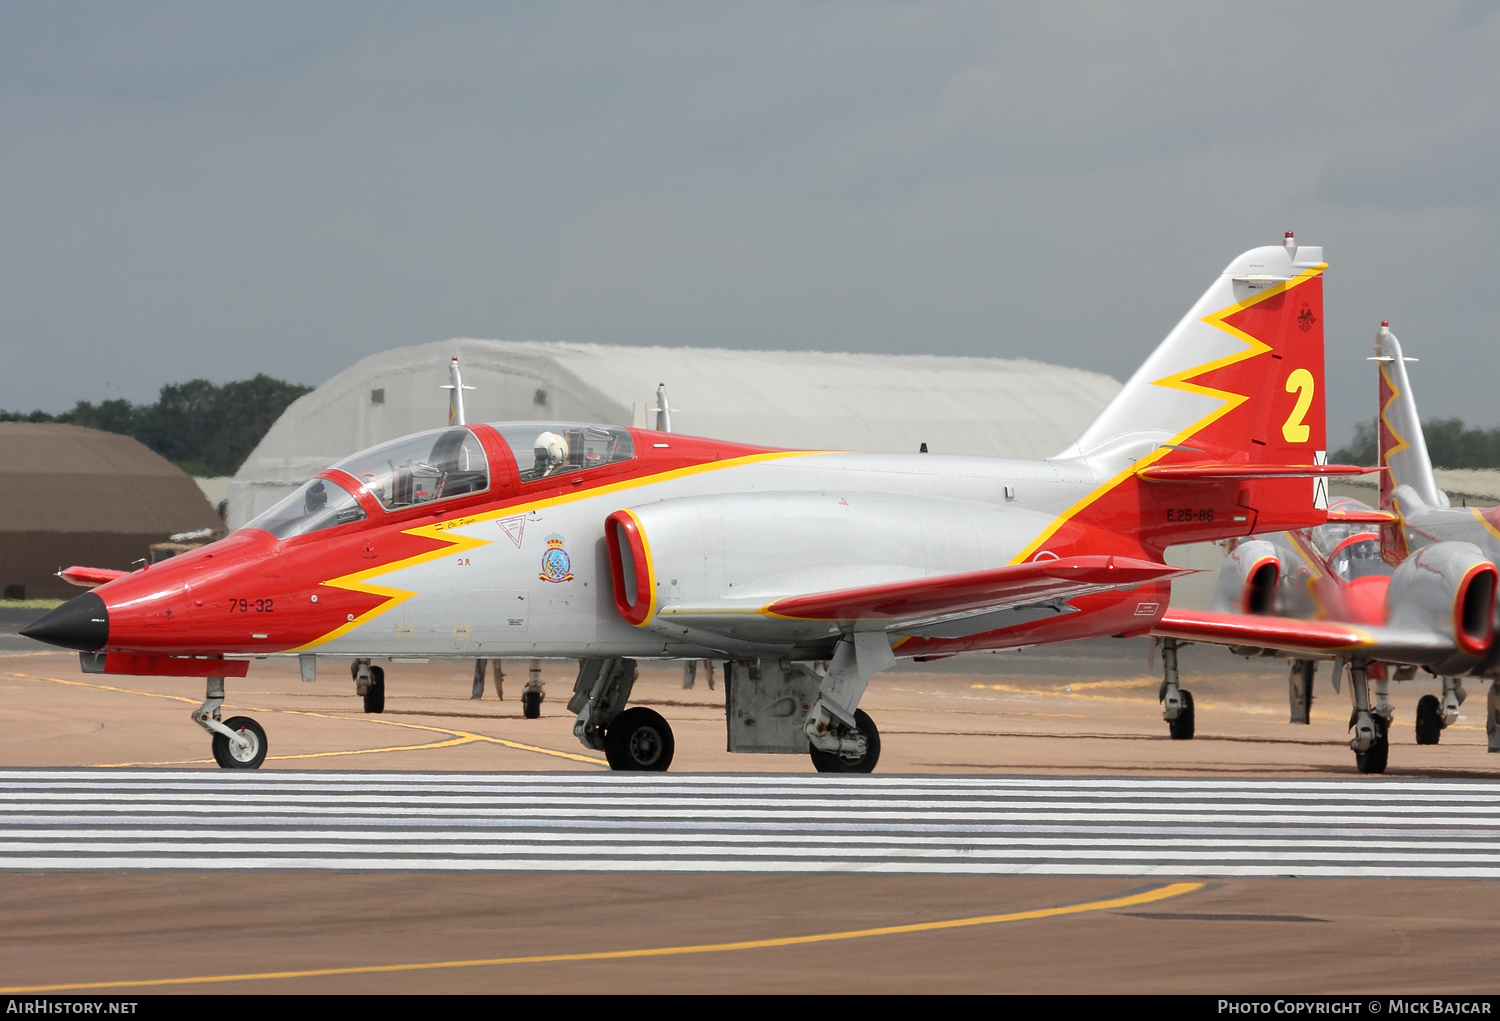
(1421, 594)
(549, 539)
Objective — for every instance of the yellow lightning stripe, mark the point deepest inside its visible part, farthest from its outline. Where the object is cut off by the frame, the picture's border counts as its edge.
(1484, 521)
(1160, 893)
(1180, 381)
(1401, 444)
(393, 597)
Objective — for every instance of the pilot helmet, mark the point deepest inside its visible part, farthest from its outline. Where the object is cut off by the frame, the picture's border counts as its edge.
(551, 451)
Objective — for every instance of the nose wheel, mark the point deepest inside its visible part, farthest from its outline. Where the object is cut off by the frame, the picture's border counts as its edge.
(238, 742)
(375, 693)
(1374, 758)
(1429, 720)
(249, 752)
(1176, 703)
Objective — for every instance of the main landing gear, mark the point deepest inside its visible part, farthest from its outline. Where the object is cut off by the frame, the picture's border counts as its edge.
(238, 742)
(635, 740)
(858, 747)
(1177, 704)
(1433, 716)
(369, 684)
(639, 740)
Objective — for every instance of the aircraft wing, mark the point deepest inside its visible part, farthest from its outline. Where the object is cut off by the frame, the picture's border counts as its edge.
(1314, 638)
(952, 605)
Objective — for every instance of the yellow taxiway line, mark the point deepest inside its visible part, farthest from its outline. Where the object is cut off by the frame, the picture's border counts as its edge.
(1130, 900)
(455, 737)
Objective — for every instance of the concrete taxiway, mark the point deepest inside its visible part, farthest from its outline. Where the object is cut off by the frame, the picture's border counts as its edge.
(1062, 741)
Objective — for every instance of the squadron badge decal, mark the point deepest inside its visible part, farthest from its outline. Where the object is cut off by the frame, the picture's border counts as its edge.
(556, 565)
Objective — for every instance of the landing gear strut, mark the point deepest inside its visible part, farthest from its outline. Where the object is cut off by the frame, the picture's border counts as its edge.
(1300, 689)
(239, 742)
(1370, 745)
(1177, 704)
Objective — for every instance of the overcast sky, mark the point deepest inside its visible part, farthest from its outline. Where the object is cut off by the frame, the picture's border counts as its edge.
(224, 189)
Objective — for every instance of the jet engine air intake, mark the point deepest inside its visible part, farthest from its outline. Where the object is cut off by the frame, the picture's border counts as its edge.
(1448, 587)
(630, 568)
(1475, 606)
(1260, 593)
(1247, 581)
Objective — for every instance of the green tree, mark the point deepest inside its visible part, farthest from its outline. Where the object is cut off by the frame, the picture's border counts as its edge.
(1449, 445)
(204, 428)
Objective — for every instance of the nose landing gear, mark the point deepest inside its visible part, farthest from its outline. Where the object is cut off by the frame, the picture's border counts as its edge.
(369, 684)
(1370, 744)
(1177, 704)
(247, 753)
(534, 692)
(239, 742)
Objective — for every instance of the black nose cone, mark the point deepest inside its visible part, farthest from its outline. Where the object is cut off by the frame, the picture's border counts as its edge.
(81, 623)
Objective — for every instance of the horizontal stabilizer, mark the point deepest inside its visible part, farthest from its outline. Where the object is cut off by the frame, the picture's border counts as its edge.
(1306, 637)
(88, 577)
(1210, 472)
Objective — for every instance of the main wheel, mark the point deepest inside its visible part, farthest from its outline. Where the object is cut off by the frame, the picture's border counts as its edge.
(229, 757)
(639, 740)
(375, 693)
(1429, 720)
(833, 762)
(1182, 727)
(531, 704)
(1374, 759)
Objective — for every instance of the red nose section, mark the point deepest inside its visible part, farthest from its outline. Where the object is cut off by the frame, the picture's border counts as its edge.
(192, 603)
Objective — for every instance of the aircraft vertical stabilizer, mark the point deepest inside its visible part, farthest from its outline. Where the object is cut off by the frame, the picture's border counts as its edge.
(1225, 420)
(1240, 378)
(1403, 448)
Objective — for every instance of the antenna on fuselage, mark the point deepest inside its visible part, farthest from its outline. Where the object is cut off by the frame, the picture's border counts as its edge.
(663, 412)
(455, 390)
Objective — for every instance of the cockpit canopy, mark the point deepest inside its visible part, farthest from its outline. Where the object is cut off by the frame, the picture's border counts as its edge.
(314, 506)
(442, 464)
(435, 465)
(543, 449)
(1359, 557)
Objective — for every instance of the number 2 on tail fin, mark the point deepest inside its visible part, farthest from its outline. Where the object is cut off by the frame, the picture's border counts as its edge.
(1301, 382)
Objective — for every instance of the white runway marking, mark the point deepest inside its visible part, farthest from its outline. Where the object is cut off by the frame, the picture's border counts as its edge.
(525, 822)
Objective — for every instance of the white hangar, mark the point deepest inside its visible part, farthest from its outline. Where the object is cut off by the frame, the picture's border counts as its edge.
(796, 399)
